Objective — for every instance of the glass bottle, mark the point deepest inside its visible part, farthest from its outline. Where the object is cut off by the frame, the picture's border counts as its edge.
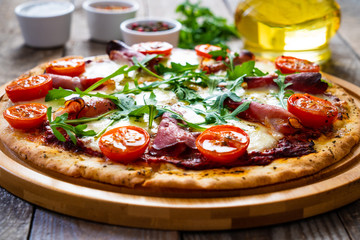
(299, 28)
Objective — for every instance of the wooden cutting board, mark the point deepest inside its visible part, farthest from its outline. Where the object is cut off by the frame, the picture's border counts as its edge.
(331, 188)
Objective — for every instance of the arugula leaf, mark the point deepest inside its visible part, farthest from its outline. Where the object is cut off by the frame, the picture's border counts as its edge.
(124, 102)
(282, 93)
(195, 126)
(143, 63)
(55, 94)
(258, 72)
(241, 108)
(175, 68)
(213, 82)
(218, 104)
(223, 52)
(72, 132)
(127, 90)
(211, 117)
(186, 94)
(200, 25)
(149, 108)
(244, 69)
(122, 70)
(236, 84)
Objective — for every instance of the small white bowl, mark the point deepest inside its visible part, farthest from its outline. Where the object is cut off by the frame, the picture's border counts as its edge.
(45, 24)
(131, 37)
(104, 24)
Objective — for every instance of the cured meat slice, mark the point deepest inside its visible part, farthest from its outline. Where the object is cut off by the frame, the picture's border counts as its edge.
(274, 117)
(309, 82)
(170, 133)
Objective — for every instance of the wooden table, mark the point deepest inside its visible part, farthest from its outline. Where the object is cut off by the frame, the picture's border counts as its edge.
(22, 220)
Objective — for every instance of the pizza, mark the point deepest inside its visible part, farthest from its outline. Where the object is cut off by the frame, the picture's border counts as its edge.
(157, 117)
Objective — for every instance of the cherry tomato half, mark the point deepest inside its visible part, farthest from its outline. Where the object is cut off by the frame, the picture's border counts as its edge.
(29, 88)
(163, 48)
(26, 116)
(288, 64)
(312, 111)
(203, 50)
(223, 143)
(70, 66)
(124, 144)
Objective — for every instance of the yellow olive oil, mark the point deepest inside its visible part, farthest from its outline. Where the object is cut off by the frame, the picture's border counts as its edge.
(299, 28)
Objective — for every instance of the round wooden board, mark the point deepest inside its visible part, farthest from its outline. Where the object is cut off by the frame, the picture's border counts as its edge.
(331, 188)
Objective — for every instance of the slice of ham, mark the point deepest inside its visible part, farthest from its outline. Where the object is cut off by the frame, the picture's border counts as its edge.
(66, 82)
(78, 107)
(170, 134)
(309, 82)
(273, 117)
(71, 83)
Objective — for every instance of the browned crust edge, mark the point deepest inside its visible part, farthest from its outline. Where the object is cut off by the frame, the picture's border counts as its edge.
(328, 152)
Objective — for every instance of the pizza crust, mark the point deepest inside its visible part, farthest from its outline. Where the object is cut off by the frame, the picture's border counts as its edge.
(329, 150)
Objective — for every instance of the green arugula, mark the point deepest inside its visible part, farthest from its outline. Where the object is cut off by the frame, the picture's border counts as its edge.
(55, 94)
(212, 116)
(282, 93)
(218, 103)
(175, 68)
(142, 64)
(72, 131)
(184, 93)
(124, 70)
(200, 25)
(149, 108)
(195, 126)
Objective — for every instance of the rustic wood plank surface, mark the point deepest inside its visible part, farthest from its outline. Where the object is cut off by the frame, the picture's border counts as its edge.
(21, 220)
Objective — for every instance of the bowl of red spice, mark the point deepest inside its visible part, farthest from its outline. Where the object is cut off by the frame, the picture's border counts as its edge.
(137, 30)
(105, 16)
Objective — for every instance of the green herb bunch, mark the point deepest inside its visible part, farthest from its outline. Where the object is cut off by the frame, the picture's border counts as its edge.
(200, 26)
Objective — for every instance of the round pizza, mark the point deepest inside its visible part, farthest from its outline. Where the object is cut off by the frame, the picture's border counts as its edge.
(157, 117)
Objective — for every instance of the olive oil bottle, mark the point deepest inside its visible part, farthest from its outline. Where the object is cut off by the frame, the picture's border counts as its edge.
(299, 28)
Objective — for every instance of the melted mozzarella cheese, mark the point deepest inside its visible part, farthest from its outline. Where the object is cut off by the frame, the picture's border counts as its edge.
(260, 137)
(262, 96)
(265, 66)
(103, 69)
(183, 56)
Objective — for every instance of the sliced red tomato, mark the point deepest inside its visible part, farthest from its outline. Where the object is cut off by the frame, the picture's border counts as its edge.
(163, 48)
(26, 116)
(223, 143)
(29, 88)
(124, 144)
(203, 50)
(288, 64)
(70, 66)
(312, 111)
